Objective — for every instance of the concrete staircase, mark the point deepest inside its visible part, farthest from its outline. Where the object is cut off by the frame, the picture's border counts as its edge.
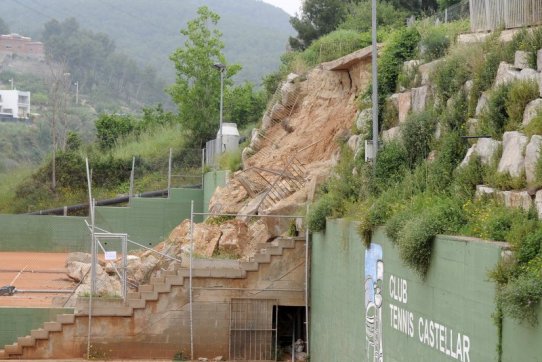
(41, 342)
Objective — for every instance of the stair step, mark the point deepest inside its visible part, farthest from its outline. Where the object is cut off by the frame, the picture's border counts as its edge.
(145, 288)
(285, 243)
(149, 295)
(39, 333)
(162, 287)
(136, 303)
(175, 280)
(157, 280)
(272, 250)
(171, 272)
(262, 258)
(52, 326)
(26, 341)
(196, 273)
(133, 295)
(3, 354)
(65, 318)
(13, 349)
(232, 273)
(249, 265)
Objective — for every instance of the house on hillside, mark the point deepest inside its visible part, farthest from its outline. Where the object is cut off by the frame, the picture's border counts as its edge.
(14, 105)
(15, 44)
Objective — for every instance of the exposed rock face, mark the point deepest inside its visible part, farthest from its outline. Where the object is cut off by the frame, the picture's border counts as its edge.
(512, 160)
(529, 74)
(521, 59)
(532, 154)
(539, 60)
(403, 103)
(531, 110)
(467, 87)
(234, 237)
(420, 98)
(485, 148)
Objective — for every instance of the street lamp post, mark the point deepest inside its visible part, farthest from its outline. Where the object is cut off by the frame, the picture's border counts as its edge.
(221, 68)
(375, 85)
(11, 81)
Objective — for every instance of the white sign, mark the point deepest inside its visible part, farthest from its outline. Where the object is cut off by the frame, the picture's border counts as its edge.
(110, 255)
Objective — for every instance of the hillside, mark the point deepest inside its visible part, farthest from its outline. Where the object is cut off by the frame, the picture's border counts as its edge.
(255, 33)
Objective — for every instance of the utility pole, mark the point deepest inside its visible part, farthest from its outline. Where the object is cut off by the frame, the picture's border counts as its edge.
(11, 81)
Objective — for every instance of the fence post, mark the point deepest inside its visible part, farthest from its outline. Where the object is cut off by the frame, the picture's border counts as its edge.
(446, 15)
(169, 173)
(202, 166)
(132, 180)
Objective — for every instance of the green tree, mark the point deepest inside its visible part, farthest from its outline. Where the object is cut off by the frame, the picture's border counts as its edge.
(111, 127)
(243, 105)
(318, 17)
(4, 28)
(359, 16)
(197, 87)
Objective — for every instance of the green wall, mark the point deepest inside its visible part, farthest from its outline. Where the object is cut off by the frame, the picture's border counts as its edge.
(455, 294)
(43, 233)
(522, 340)
(146, 220)
(18, 322)
(150, 220)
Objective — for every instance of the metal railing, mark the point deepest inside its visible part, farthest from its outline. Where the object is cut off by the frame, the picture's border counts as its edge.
(487, 15)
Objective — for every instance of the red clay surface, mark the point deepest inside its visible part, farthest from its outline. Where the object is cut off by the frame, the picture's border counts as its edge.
(33, 271)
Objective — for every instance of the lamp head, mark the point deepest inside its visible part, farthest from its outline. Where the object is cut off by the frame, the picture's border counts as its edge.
(221, 67)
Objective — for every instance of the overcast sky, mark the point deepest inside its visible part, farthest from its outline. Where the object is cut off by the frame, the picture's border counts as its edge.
(290, 6)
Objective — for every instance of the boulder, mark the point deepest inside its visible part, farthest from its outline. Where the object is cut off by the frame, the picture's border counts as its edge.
(411, 65)
(363, 118)
(513, 160)
(531, 110)
(506, 74)
(472, 126)
(205, 238)
(538, 203)
(539, 60)
(420, 97)
(289, 93)
(483, 190)
(267, 122)
(426, 71)
(77, 270)
(529, 74)
(516, 199)
(481, 106)
(78, 256)
(234, 237)
(404, 105)
(278, 112)
(292, 77)
(251, 208)
(391, 134)
(354, 143)
(485, 148)
(467, 87)
(255, 139)
(532, 154)
(521, 59)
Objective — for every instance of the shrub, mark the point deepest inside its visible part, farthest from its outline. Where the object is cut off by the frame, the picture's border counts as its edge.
(449, 154)
(519, 95)
(456, 113)
(401, 46)
(450, 76)
(390, 166)
(466, 178)
(495, 117)
(417, 134)
(434, 43)
(320, 211)
(519, 299)
(111, 127)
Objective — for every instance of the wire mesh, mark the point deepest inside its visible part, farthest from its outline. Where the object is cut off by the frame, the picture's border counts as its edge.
(453, 13)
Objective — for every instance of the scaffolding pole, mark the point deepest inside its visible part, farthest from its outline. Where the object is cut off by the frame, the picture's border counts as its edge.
(190, 284)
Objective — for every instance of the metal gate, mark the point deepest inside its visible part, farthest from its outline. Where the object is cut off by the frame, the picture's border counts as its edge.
(253, 332)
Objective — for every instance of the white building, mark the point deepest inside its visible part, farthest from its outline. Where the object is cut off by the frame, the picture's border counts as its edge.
(14, 104)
